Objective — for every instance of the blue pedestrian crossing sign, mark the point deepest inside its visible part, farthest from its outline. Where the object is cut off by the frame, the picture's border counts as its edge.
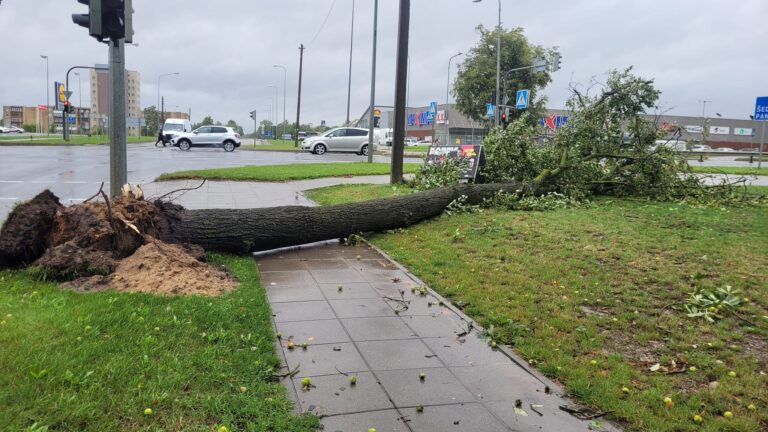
(489, 110)
(433, 107)
(761, 108)
(522, 99)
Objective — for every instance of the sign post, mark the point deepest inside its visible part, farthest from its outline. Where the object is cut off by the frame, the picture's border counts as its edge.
(761, 114)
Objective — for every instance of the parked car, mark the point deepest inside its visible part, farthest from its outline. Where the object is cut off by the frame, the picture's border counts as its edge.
(701, 148)
(208, 136)
(724, 149)
(11, 129)
(345, 139)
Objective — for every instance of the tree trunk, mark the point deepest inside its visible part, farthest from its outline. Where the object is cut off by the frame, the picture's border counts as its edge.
(249, 230)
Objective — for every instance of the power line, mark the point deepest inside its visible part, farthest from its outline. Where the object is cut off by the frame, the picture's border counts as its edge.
(322, 26)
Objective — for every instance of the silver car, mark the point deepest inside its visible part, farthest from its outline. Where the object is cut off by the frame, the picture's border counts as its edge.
(345, 139)
(208, 136)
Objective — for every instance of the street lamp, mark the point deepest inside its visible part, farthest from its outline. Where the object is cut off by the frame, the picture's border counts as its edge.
(276, 110)
(80, 104)
(349, 79)
(447, 101)
(498, 65)
(47, 94)
(285, 85)
(158, 90)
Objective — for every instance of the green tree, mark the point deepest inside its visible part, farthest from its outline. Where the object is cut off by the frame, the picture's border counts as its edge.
(207, 121)
(152, 119)
(233, 124)
(476, 79)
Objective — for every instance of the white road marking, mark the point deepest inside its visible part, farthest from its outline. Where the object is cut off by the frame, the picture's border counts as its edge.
(75, 182)
(11, 181)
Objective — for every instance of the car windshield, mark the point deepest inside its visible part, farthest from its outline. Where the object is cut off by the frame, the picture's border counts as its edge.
(328, 133)
(173, 127)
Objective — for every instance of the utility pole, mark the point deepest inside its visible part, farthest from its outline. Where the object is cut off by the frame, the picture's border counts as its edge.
(47, 95)
(117, 147)
(447, 100)
(372, 117)
(298, 100)
(401, 80)
(349, 80)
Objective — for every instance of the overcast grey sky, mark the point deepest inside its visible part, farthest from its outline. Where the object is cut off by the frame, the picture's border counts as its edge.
(695, 49)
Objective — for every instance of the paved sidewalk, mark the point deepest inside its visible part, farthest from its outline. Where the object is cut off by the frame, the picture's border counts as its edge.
(355, 310)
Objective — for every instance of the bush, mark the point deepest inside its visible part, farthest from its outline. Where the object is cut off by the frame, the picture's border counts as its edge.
(29, 128)
(435, 175)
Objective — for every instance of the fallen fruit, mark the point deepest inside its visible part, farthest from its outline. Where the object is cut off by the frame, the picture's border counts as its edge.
(223, 429)
(359, 257)
(279, 335)
(291, 345)
(371, 429)
(732, 374)
(728, 414)
(243, 389)
(304, 345)
(306, 382)
(148, 411)
(420, 408)
(692, 368)
(339, 287)
(422, 376)
(493, 344)
(593, 362)
(352, 380)
(751, 407)
(625, 389)
(697, 418)
(668, 402)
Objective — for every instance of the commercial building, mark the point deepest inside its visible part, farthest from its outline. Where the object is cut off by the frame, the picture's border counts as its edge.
(450, 126)
(100, 99)
(20, 116)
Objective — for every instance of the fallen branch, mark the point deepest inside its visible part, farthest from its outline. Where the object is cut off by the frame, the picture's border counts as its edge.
(99, 192)
(181, 190)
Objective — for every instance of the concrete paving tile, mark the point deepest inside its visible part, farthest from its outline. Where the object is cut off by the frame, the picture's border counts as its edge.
(339, 251)
(384, 276)
(398, 354)
(373, 264)
(326, 264)
(354, 290)
(361, 308)
(382, 421)
(287, 278)
(337, 276)
(553, 419)
(393, 289)
(313, 332)
(333, 394)
(499, 382)
(466, 351)
(379, 328)
(325, 359)
(281, 265)
(440, 325)
(459, 418)
(282, 294)
(302, 311)
(427, 305)
(439, 387)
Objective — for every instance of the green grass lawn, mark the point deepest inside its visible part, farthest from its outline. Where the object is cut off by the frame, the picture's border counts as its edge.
(279, 173)
(75, 140)
(95, 362)
(594, 297)
(730, 170)
(354, 193)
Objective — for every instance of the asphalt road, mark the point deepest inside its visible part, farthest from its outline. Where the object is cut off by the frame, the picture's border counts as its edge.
(74, 173)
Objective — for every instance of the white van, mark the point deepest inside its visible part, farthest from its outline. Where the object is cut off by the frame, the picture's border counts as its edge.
(173, 127)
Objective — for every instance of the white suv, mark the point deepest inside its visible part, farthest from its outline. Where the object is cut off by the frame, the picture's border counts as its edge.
(208, 136)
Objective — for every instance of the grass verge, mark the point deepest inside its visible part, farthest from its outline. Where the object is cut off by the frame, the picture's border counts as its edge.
(354, 193)
(280, 173)
(96, 362)
(595, 297)
(273, 145)
(75, 140)
(730, 170)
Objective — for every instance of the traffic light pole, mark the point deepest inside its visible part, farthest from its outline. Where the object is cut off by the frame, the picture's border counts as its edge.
(65, 116)
(118, 160)
(401, 80)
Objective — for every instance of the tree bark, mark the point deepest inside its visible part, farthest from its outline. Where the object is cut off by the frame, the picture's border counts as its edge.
(243, 231)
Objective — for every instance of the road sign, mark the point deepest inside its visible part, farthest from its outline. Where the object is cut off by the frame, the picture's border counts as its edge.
(522, 99)
(433, 107)
(761, 108)
(61, 97)
(376, 112)
(489, 110)
(68, 94)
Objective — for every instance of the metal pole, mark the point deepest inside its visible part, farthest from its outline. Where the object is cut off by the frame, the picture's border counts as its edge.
(498, 68)
(349, 80)
(762, 141)
(298, 100)
(401, 80)
(447, 101)
(285, 87)
(371, 126)
(255, 127)
(118, 161)
(80, 104)
(47, 95)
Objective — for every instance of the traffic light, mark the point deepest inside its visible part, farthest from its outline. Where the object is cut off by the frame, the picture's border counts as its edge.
(556, 61)
(111, 19)
(505, 118)
(252, 115)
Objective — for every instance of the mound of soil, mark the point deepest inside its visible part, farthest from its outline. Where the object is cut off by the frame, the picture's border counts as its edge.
(160, 268)
(26, 233)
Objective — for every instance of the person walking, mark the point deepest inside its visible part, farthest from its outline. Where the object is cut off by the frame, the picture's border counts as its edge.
(160, 138)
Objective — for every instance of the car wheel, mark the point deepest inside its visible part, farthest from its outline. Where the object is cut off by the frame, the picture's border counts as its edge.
(229, 146)
(364, 150)
(320, 149)
(184, 145)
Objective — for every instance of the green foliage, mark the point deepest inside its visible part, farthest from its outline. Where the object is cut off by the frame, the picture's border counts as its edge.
(29, 128)
(459, 206)
(435, 175)
(477, 74)
(519, 201)
(233, 124)
(207, 121)
(712, 305)
(152, 119)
